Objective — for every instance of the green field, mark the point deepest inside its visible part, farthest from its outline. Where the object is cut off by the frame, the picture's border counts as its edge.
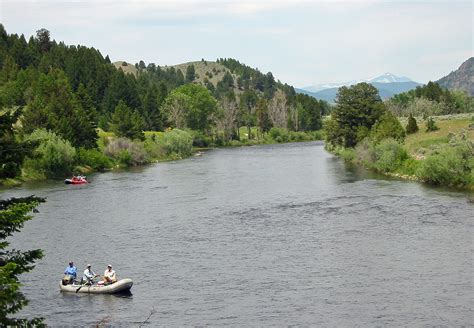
(418, 143)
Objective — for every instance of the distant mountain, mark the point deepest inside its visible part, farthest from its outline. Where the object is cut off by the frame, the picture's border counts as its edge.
(389, 78)
(388, 85)
(460, 79)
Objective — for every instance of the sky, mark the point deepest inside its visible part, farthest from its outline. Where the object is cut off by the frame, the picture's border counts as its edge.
(301, 42)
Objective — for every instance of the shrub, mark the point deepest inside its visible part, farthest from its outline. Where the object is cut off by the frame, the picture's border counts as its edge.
(412, 127)
(279, 134)
(93, 158)
(389, 155)
(450, 164)
(388, 126)
(365, 153)
(126, 152)
(200, 139)
(431, 125)
(53, 156)
(155, 145)
(178, 142)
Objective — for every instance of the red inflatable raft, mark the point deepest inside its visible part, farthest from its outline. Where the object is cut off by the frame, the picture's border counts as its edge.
(79, 179)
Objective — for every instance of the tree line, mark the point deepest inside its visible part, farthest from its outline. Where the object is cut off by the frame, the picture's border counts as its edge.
(71, 91)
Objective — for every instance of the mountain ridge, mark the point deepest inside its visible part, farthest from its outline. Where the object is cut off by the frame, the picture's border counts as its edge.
(460, 79)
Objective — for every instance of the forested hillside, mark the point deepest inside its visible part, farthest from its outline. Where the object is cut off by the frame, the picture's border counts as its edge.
(65, 93)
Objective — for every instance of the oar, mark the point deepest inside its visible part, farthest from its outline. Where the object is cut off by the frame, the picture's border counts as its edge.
(97, 275)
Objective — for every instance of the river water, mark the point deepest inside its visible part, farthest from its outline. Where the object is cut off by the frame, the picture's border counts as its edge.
(260, 236)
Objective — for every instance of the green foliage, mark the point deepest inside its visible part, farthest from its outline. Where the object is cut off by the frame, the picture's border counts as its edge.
(93, 158)
(430, 99)
(389, 155)
(388, 126)
(178, 142)
(55, 107)
(385, 156)
(263, 118)
(190, 106)
(431, 125)
(358, 108)
(309, 112)
(190, 74)
(281, 135)
(12, 151)
(53, 156)
(412, 127)
(13, 215)
(126, 152)
(450, 165)
(200, 139)
(126, 123)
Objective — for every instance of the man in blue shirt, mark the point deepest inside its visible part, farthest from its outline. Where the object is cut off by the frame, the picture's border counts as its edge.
(70, 273)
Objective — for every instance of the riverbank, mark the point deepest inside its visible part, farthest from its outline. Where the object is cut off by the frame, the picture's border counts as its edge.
(120, 153)
(443, 157)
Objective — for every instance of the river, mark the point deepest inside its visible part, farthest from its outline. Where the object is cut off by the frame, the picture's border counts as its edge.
(272, 235)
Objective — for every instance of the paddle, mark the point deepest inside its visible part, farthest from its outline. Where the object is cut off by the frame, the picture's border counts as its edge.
(90, 283)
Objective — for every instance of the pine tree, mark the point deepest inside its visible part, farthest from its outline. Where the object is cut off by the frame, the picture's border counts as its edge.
(190, 74)
(126, 123)
(412, 127)
(13, 214)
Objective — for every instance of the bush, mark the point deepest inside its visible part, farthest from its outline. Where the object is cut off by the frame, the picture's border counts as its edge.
(365, 153)
(389, 155)
(412, 127)
(93, 158)
(53, 156)
(178, 142)
(126, 152)
(450, 165)
(279, 134)
(431, 125)
(388, 126)
(200, 139)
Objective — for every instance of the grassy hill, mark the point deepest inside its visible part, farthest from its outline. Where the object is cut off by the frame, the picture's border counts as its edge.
(422, 142)
(127, 68)
(214, 72)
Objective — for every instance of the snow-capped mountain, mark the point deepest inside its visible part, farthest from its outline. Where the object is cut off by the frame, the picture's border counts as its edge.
(388, 85)
(384, 78)
(389, 78)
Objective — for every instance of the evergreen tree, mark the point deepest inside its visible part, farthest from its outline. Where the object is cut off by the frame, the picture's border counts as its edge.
(431, 125)
(13, 214)
(388, 126)
(43, 38)
(248, 100)
(412, 127)
(358, 109)
(190, 74)
(12, 152)
(263, 119)
(126, 123)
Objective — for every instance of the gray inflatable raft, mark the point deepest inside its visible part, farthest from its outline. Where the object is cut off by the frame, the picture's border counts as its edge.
(123, 285)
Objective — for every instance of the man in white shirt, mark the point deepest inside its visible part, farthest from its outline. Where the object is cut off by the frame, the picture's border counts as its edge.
(109, 275)
(88, 275)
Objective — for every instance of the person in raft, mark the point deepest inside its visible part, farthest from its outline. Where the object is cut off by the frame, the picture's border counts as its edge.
(109, 275)
(89, 275)
(70, 274)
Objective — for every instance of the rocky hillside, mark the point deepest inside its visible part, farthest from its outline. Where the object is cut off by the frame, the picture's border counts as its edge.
(460, 79)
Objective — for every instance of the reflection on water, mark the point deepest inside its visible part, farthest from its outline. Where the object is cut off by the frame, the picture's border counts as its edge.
(269, 235)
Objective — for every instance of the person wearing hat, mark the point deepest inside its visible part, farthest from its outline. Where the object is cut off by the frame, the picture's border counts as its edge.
(109, 275)
(70, 274)
(89, 275)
